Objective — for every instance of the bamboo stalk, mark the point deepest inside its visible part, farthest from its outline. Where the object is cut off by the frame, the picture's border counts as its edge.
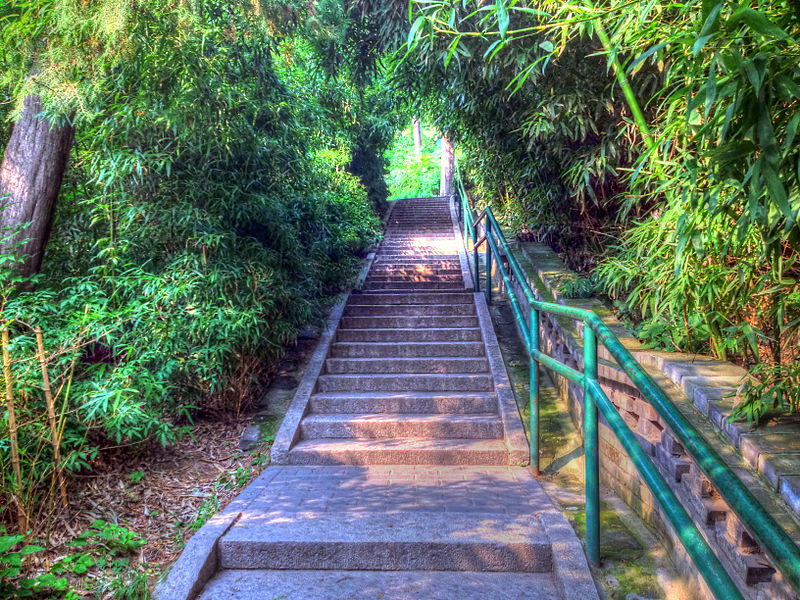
(12, 432)
(51, 417)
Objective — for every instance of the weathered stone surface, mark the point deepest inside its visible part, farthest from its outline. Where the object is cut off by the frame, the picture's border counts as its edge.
(371, 585)
(412, 518)
(410, 379)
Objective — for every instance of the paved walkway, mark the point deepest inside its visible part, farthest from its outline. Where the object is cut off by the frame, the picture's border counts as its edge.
(396, 479)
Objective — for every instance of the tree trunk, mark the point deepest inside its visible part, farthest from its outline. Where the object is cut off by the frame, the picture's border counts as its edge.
(30, 178)
(417, 137)
(448, 158)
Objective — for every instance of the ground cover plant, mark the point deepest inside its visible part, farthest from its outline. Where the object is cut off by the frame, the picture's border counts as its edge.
(219, 181)
(652, 145)
(412, 174)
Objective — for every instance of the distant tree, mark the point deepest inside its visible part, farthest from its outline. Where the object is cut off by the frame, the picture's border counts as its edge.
(34, 162)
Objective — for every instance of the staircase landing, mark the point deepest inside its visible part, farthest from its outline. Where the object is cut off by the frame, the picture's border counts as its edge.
(395, 473)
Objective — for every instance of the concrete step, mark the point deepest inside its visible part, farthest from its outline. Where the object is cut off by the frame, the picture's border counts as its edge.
(377, 541)
(452, 334)
(414, 277)
(398, 426)
(406, 350)
(416, 451)
(408, 310)
(385, 270)
(371, 365)
(394, 322)
(249, 584)
(403, 403)
(406, 383)
(412, 298)
(399, 290)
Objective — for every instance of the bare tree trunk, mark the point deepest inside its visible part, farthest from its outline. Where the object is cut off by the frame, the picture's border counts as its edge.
(30, 178)
(448, 163)
(417, 137)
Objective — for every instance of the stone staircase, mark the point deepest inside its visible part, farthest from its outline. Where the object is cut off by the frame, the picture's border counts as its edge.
(394, 479)
(407, 380)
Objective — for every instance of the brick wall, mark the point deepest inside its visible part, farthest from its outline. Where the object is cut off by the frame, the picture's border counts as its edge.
(743, 558)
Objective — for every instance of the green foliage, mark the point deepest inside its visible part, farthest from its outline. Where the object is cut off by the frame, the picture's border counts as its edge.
(13, 549)
(207, 214)
(577, 287)
(409, 176)
(691, 208)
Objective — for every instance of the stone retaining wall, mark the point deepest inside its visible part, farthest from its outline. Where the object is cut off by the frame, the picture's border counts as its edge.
(698, 386)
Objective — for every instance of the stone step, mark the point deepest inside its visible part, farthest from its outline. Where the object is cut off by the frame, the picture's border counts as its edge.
(384, 270)
(406, 382)
(416, 265)
(424, 254)
(249, 584)
(403, 403)
(426, 243)
(417, 365)
(379, 541)
(408, 310)
(382, 286)
(452, 334)
(398, 426)
(412, 298)
(441, 254)
(395, 322)
(406, 350)
(414, 277)
(399, 290)
(416, 451)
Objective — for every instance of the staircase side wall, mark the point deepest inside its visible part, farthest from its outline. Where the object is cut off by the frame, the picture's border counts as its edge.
(561, 339)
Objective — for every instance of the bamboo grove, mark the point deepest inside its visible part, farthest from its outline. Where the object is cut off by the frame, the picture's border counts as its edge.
(226, 175)
(225, 165)
(653, 144)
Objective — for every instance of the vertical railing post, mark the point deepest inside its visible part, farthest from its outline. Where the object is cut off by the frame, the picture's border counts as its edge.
(590, 445)
(488, 226)
(476, 257)
(534, 392)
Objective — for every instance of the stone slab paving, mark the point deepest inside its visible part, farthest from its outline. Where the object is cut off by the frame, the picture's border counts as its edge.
(375, 585)
(387, 481)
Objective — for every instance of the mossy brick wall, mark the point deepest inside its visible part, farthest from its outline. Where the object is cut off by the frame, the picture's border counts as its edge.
(744, 560)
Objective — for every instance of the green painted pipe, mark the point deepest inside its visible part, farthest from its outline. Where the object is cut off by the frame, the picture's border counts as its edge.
(476, 258)
(591, 447)
(533, 385)
(718, 580)
(489, 264)
(766, 531)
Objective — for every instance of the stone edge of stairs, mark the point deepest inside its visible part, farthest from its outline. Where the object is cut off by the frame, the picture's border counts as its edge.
(513, 429)
(199, 561)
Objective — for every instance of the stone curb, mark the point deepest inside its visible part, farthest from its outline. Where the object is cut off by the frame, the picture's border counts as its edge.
(199, 560)
(289, 431)
(570, 567)
(466, 272)
(513, 429)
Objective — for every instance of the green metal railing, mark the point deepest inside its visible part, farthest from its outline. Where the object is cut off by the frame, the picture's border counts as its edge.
(765, 530)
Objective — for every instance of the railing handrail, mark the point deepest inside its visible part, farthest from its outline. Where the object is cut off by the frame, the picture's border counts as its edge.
(763, 527)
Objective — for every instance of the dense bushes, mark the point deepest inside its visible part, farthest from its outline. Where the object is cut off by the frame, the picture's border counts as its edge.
(413, 176)
(201, 223)
(660, 141)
